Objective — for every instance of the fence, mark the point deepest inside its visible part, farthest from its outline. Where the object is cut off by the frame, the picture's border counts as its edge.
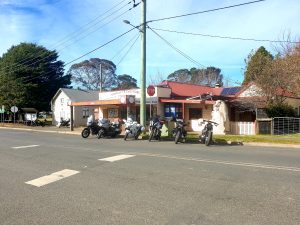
(285, 125)
(243, 128)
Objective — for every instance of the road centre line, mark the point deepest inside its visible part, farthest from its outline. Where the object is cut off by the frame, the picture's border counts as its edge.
(27, 146)
(243, 164)
(52, 177)
(116, 158)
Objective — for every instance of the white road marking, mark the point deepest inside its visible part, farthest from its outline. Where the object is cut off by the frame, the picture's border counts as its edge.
(116, 158)
(231, 163)
(52, 177)
(27, 146)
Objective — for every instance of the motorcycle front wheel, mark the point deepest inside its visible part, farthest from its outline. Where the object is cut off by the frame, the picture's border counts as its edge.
(100, 133)
(177, 137)
(151, 134)
(85, 132)
(208, 139)
(126, 136)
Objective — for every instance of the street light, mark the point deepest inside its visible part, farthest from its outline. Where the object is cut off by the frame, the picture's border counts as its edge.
(142, 29)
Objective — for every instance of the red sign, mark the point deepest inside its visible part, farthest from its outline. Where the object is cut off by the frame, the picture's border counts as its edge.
(150, 90)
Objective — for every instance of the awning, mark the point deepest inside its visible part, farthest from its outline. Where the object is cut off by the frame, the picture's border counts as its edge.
(204, 102)
(97, 103)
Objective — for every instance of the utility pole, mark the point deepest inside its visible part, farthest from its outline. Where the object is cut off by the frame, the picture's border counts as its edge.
(143, 64)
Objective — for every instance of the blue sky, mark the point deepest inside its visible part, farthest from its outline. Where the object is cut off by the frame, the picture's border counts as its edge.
(74, 27)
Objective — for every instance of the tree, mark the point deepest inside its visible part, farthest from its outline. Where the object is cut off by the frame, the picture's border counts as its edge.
(125, 82)
(209, 76)
(256, 63)
(30, 75)
(87, 74)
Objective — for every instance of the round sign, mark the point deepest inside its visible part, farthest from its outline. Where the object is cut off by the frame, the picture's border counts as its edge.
(131, 99)
(14, 109)
(150, 90)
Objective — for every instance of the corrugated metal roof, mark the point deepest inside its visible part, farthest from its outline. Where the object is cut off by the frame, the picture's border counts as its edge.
(189, 90)
(80, 95)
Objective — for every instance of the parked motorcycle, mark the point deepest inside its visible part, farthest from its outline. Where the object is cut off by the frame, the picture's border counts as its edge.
(108, 129)
(92, 128)
(179, 133)
(132, 128)
(64, 123)
(207, 132)
(155, 129)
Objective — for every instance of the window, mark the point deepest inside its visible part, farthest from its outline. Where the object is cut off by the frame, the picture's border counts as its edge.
(85, 112)
(62, 100)
(113, 113)
(173, 110)
(195, 113)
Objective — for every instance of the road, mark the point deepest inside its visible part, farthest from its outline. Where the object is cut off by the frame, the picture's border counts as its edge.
(53, 179)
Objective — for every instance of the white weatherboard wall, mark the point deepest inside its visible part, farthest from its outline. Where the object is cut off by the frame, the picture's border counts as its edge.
(61, 108)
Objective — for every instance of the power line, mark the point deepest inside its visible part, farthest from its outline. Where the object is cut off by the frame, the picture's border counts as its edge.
(36, 58)
(92, 21)
(128, 50)
(205, 11)
(226, 37)
(124, 46)
(101, 46)
(176, 49)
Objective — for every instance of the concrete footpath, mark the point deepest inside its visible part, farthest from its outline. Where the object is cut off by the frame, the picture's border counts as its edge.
(77, 131)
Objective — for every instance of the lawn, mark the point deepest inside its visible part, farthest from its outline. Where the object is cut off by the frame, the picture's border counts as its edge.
(283, 139)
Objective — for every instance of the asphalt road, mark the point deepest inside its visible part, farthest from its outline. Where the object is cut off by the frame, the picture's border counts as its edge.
(48, 178)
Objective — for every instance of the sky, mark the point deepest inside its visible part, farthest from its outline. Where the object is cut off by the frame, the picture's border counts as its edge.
(76, 27)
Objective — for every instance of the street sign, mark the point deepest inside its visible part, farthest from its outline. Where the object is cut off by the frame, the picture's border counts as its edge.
(14, 109)
(150, 90)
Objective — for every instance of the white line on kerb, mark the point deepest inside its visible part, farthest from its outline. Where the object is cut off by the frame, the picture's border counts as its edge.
(52, 177)
(116, 158)
(27, 146)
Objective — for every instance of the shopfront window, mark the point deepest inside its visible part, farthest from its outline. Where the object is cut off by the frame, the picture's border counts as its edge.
(195, 113)
(173, 110)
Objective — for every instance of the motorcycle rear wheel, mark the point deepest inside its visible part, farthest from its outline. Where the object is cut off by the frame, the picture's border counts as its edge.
(85, 132)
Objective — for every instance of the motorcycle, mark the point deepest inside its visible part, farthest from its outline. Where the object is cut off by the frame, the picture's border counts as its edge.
(92, 128)
(133, 128)
(64, 123)
(179, 133)
(108, 129)
(207, 132)
(155, 129)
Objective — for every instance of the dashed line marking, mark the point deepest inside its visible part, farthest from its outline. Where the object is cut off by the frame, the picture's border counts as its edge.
(39, 182)
(116, 158)
(27, 146)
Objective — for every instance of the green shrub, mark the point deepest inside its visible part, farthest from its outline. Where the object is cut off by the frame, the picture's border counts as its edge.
(280, 110)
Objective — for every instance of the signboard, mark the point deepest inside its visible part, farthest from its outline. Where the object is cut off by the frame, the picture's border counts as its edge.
(14, 109)
(150, 90)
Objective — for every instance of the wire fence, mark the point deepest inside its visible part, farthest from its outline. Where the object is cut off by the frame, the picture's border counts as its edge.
(285, 125)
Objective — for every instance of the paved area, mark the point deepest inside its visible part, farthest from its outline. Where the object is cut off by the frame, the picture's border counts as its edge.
(54, 178)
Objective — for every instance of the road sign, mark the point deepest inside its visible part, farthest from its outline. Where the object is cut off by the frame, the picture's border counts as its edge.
(14, 109)
(150, 90)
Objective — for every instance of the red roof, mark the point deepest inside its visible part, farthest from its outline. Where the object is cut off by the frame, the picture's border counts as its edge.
(190, 90)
